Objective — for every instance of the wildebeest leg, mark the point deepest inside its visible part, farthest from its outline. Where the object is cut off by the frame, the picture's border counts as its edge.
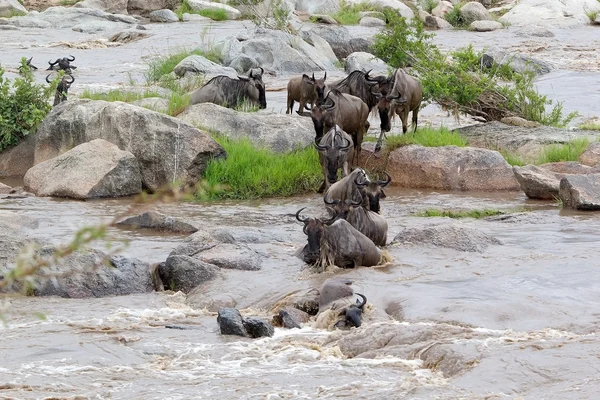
(301, 106)
(404, 118)
(290, 105)
(379, 141)
(415, 114)
(359, 139)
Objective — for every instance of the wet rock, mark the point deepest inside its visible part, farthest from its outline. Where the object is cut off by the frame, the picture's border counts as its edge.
(371, 21)
(83, 275)
(340, 40)
(534, 31)
(94, 169)
(154, 220)
(128, 36)
(193, 17)
(449, 236)
(197, 5)
(195, 64)
(247, 235)
(18, 193)
(323, 19)
(230, 322)
(17, 159)
(111, 6)
(537, 183)
(518, 121)
(166, 148)
(591, 156)
(518, 62)
(450, 359)
(67, 17)
(165, 16)
(581, 192)
(10, 8)
(450, 168)
(443, 8)
(291, 318)
(550, 13)
(437, 23)
(304, 300)
(485, 26)
(256, 327)
(5, 189)
(361, 61)
(231, 256)
(185, 273)
(278, 132)
(98, 26)
(474, 11)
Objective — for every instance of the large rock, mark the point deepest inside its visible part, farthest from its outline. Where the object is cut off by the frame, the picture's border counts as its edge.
(195, 64)
(518, 62)
(589, 157)
(230, 322)
(166, 149)
(94, 169)
(562, 168)
(278, 132)
(15, 161)
(319, 44)
(11, 8)
(443, 8)
(474, 11)
(537, 183)
(184, 273)
(198, 5)
(158, 221)
(243, 64)
(581, 192)
(397, 5)
(450, 236)
(371, 21)
(318, 6)
(111, 6)
(550, 13)
(450, 168)
(166, 16)
(340, 40)
(231, 256)
(68, 17)
(257, 327)
(5, 189)
(485, 26)
(98, 26)
(436, 22)
(361, 61)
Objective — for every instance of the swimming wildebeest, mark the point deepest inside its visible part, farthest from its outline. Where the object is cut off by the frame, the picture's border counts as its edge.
(347, 111)
(357, 186)
(334, 149)
(339, 311)
(336, 242)
(63, 64)
(405, 96)
(228, 92)
(305, 90)
(62, 89)
(28, 64)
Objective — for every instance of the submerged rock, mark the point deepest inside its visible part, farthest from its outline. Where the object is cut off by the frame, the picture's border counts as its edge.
(291, 318)
(230, 322)
(5, 189)
(450, 236)
(166, 16)
(94, 169)
(485, 26)
(185, 273)
(581, 192)
(128, 36)
(155, 220)
(257, 327)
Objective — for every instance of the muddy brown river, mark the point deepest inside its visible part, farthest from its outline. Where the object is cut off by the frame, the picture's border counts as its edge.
(517, 320)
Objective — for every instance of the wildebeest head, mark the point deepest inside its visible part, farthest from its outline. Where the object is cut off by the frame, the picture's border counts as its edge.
(322, 115)
(342, 208)
(335, 152)
(256, 81)
(374, 192)
(318, 84)
(64, 64)
(353, 314)
(313, 228)
(63, 88)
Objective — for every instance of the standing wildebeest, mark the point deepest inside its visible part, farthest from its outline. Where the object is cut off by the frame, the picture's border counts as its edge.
(333, 151)
(304, 90)
(337, 243)
(227, 92)
(357, 186)
(367, 222)
(347, 111)
(404, 97)
(62, 88)
(64, 64)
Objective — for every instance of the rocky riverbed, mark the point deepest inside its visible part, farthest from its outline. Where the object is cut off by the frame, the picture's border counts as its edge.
(499, 307)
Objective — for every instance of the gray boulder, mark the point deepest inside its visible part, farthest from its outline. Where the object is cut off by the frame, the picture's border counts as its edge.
(11, 8)
(278, 132)
(581, 192)
(5, 189)
(157, 221)
(94, 169)
(361, 61)
(340, 40)
(111, 6)
(257, 327)
(591, 156)
(318, 6)
(450, 168)
(230, 322)
(67, 17)
(323, 19)
(537, 183)
(371, 21)
(518, 62)
(442, 8)
(165, 16)
(98, 26)
(128, 36)
(401, 8)
(474, 11)
(287, 318)
(485, 26)
(166, 148)
(436, 23)
(144, 7)
(195, 64)
(17, 159)
(198, 5)
(243, 64)
(319, 44)
(184, 273)
(450, 236)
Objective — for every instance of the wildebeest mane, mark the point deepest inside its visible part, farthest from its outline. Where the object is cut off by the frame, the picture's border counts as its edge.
(355, 84)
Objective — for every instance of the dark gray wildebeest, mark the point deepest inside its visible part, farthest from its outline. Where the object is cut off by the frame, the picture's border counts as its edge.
(347, 111)
(62, 89)
(28, 64)
(228, 92)
(405, 96)
(336, 242)
(335, 148)
(358, 187)
(62, 64)
(305, 90)
(336, 306)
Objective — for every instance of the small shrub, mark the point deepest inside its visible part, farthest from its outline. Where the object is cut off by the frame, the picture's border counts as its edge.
(216, 14)
(454, 17)
(590, 125)
(429, 5)
(118, 95)
(592, 15)
(163, 66)
(432, 212)
(427, 137)
(252, 172)
(177, 103)
(564, 152)
(23, 105)
(350, 14)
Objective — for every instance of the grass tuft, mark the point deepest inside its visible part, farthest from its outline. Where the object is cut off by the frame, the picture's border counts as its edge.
(590, 125)
(349, 14)
(214, 14)
(433, 212)
(119, 95)
(429, 5)
(564, 152)
(455, 18)
(66, 3)
(251, 172)
(246, 106)
(512, 159)
(177, 103)
(427, 137)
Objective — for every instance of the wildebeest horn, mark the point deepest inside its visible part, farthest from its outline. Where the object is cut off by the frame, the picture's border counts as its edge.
(360, 184)
(298, 215)
(250, 74)
(355, 203)
(330, 220)
(361, 305)
(313, 76)
(330, 202)
(319, 146)
(328, 107)
(72, 78)
(262, 71)
(386, 182)
(70, 59)
(52, 64)
(377, 95)
(325, 77)
(307, 107)
(47, 78)
(346, 147)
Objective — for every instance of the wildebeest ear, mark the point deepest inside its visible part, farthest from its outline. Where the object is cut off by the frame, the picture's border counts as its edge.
(243, 78)
(307, 79)
(382, 195)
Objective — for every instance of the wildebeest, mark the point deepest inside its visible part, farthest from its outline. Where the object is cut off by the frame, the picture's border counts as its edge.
(356, 186)
(374, 192)
(28, 64)
(347, 111)
(341, 314)
(334, 149)
(405, 96)
(228, 92)
(361, 85)
(63, 64)
(305, 90)
(62, 89)
(337, 243)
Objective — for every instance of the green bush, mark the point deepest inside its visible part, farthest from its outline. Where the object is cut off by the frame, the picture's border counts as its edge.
(23, 105)
(454, 17)
(350, 14)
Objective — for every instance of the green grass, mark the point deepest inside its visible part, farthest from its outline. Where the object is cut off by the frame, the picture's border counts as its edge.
(177, 103)
(512, 159)
(246, 106)
(427, 137)
(252, 173)
(591, 125)
(119, 95)
(162, 66)
(564, 152)
(429, 5)
(349, 14)
(214, 14)
(592, 15)
(66, 3)
(433, 212)
(454, 17)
